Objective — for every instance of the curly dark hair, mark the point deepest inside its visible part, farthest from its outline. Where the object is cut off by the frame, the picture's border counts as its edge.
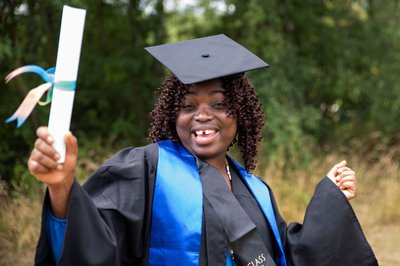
(243, 104)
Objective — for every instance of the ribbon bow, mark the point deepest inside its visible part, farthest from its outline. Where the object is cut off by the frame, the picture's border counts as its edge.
(34, 95)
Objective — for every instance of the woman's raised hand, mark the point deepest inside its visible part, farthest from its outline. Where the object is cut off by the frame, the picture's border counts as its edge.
(344, 178)
(44, 167)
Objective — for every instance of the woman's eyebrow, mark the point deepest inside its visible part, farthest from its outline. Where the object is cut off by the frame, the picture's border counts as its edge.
(212, 91)
(218, 89)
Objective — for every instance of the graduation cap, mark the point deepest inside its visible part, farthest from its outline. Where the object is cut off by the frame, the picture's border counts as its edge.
(206, 58)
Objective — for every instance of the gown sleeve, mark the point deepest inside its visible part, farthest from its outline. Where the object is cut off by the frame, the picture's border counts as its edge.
(55, 229)
(108, 217)
(330, 233)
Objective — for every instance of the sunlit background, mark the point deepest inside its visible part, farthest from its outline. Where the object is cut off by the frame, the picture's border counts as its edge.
(332, 93)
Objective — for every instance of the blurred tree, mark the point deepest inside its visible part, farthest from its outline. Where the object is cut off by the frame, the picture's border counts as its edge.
(24, 31)
(116, 78)
(333, 75)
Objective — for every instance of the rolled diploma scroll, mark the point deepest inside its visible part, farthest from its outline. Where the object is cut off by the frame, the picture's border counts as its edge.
(69, 49)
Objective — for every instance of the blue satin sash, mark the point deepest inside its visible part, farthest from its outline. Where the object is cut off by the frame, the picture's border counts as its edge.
(177, 208)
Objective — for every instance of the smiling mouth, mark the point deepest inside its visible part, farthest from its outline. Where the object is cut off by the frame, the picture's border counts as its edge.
(204, 136)
(204, 133)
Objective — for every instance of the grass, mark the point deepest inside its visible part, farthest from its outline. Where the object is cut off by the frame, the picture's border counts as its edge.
(19, 230)
(376, 205)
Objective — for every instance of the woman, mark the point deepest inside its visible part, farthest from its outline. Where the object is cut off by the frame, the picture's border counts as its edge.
(182, 200)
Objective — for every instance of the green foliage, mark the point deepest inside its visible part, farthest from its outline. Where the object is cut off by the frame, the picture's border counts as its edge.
(333, 75)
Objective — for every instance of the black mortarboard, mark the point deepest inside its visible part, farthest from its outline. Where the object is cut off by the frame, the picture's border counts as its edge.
(206, 58)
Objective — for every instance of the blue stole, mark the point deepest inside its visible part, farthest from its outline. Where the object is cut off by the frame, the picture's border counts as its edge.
(177, 209)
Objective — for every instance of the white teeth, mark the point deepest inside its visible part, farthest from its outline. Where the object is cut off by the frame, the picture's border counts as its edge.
(204, 132)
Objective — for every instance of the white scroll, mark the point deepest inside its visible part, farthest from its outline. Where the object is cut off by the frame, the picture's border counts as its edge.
(69, 49)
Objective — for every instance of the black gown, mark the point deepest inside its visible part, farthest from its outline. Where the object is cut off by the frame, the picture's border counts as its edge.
(109, 221)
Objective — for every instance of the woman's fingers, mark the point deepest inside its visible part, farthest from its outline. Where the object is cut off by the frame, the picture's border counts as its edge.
(46, 148)
(71, 144)
(44, 143)
(348, 184)
(343, 169)
(43, 133)
(345, 179)
(334, 171)
(71, 155)
(43, 159)
(349, 188)
(36, 168)
(347, 172)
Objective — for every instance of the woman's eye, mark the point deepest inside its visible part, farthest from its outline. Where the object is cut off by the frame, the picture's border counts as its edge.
(219, 105)
(188, 107)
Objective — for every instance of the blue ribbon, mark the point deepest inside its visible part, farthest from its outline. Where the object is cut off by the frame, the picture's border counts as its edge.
(48, 77)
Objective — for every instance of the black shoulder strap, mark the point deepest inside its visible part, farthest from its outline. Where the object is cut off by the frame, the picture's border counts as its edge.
(152, 153)
(241, 232)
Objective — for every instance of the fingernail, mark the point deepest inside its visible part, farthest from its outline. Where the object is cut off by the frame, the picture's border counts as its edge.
(56, 156)
(50, 139)
(59, 167)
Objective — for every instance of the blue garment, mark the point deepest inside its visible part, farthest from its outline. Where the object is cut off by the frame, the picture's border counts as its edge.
(177, 208)
(176, 222)
(55, 228)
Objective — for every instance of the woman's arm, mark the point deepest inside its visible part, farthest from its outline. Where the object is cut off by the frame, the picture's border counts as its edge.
(59, 178)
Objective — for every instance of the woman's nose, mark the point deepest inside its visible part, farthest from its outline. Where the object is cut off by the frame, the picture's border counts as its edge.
(203, 113)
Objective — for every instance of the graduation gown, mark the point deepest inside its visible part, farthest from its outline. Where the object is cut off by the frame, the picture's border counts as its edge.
(109, 221)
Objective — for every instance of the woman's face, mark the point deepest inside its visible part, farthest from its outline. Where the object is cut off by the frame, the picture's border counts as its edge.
(202, 123)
